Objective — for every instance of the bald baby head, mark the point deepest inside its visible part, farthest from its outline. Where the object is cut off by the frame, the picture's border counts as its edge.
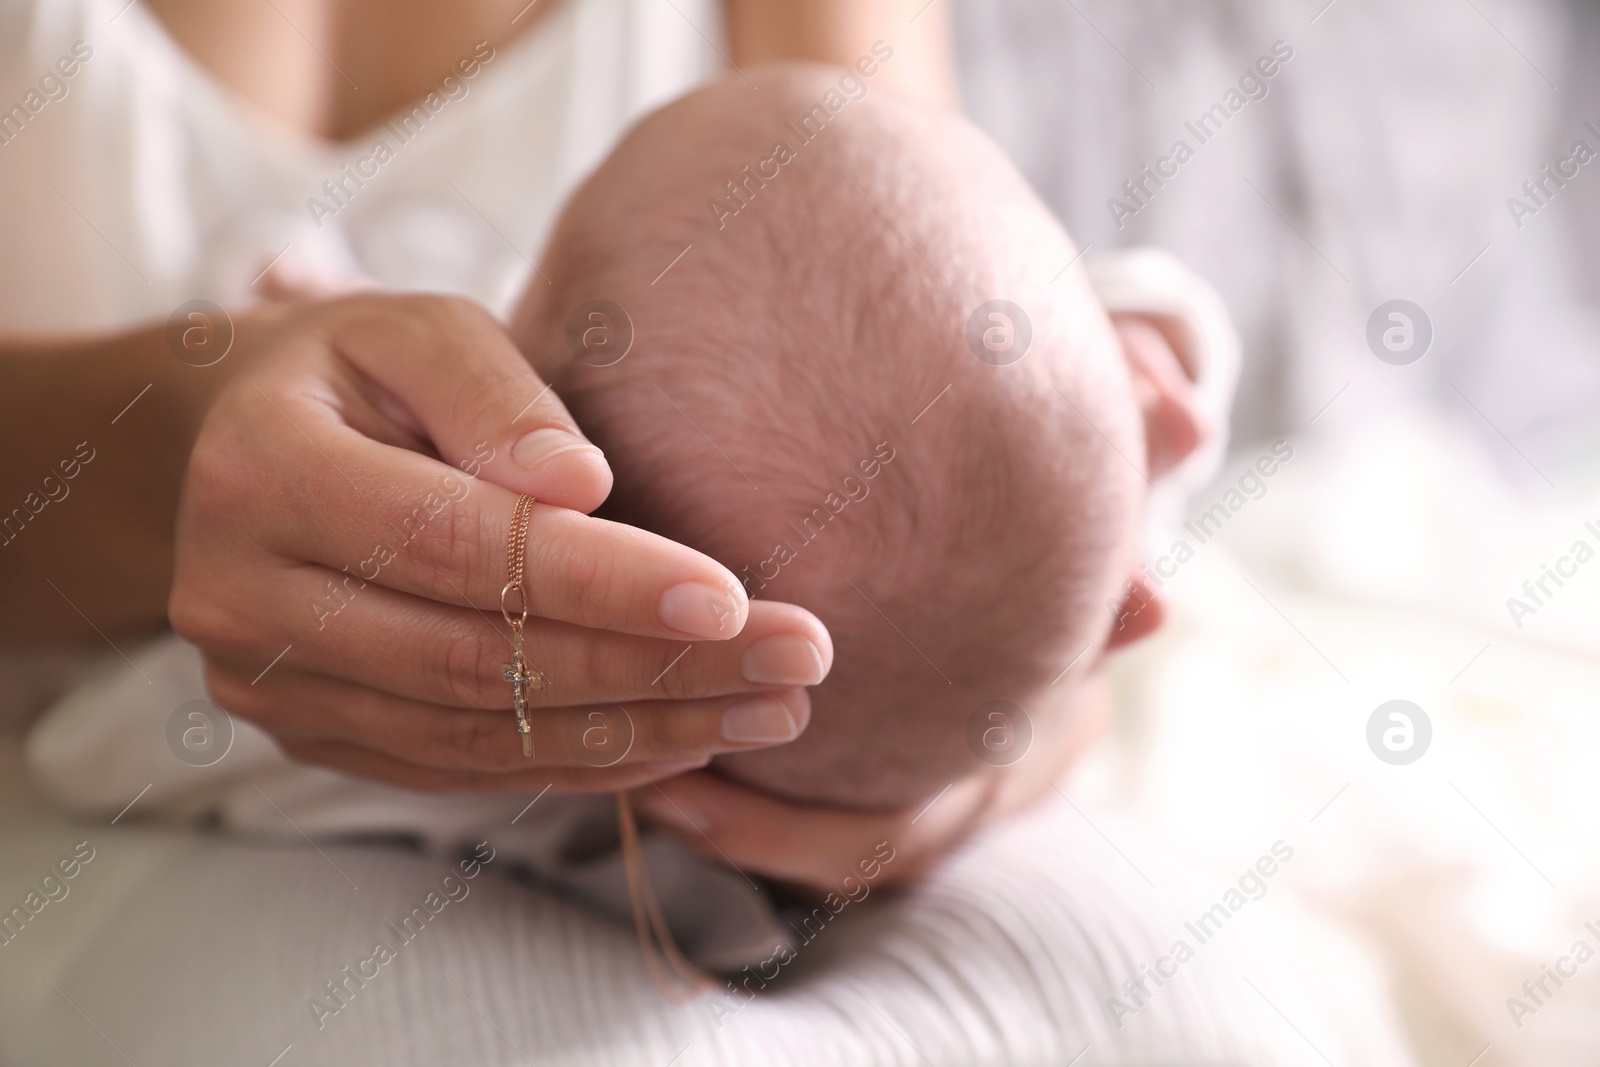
(860, 379)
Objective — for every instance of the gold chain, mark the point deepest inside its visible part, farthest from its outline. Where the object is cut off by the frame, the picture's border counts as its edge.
(516, 547)
(677, 978)
(522, 675)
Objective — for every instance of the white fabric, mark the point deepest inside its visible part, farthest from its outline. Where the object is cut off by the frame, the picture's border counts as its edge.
(149, 184)
(1390, 559)
(182, 949)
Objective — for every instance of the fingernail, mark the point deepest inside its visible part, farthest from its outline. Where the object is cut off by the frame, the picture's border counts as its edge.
(758, 720)
(539, 447)
(699, 610)
(676, 813)
(787, 659)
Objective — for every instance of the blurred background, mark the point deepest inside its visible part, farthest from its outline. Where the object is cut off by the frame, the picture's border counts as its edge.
(1385, 162)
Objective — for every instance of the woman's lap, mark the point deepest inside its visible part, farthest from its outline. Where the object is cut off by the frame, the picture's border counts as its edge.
(176, 948)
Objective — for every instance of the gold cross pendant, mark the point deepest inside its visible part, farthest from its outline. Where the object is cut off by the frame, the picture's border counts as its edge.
(523, 677)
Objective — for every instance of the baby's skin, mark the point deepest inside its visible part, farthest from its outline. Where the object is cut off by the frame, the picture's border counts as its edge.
(832, 345)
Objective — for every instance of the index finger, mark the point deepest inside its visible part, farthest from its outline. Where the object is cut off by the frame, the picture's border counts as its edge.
(452, 366)
(415, 526)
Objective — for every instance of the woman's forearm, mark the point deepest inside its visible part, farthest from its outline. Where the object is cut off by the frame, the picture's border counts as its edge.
(96, 434)
(843, 31)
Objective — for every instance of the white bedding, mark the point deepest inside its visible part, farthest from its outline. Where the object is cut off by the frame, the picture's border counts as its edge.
(1388, 556)
(172, 947)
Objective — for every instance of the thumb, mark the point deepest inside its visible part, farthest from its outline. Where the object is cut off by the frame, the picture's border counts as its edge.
(450, 365)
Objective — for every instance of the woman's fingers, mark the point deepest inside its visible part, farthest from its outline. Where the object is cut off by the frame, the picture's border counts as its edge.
(366, 763)
(450, 364)
(403, 520)
(808, 845)
(313, 708)
(817, 846)
(345, 514)
(439, 654)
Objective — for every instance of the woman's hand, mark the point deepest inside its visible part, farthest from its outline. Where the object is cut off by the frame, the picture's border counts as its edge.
(815, 847)
(341, 551)
(809, 846)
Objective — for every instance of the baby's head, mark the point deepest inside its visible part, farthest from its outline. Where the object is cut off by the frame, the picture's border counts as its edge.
(821, 393)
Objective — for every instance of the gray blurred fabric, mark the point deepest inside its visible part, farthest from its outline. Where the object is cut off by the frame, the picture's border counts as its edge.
(1378, 166)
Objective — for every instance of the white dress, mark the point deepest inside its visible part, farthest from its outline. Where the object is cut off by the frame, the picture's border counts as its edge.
(149, 184)
(136, 184)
